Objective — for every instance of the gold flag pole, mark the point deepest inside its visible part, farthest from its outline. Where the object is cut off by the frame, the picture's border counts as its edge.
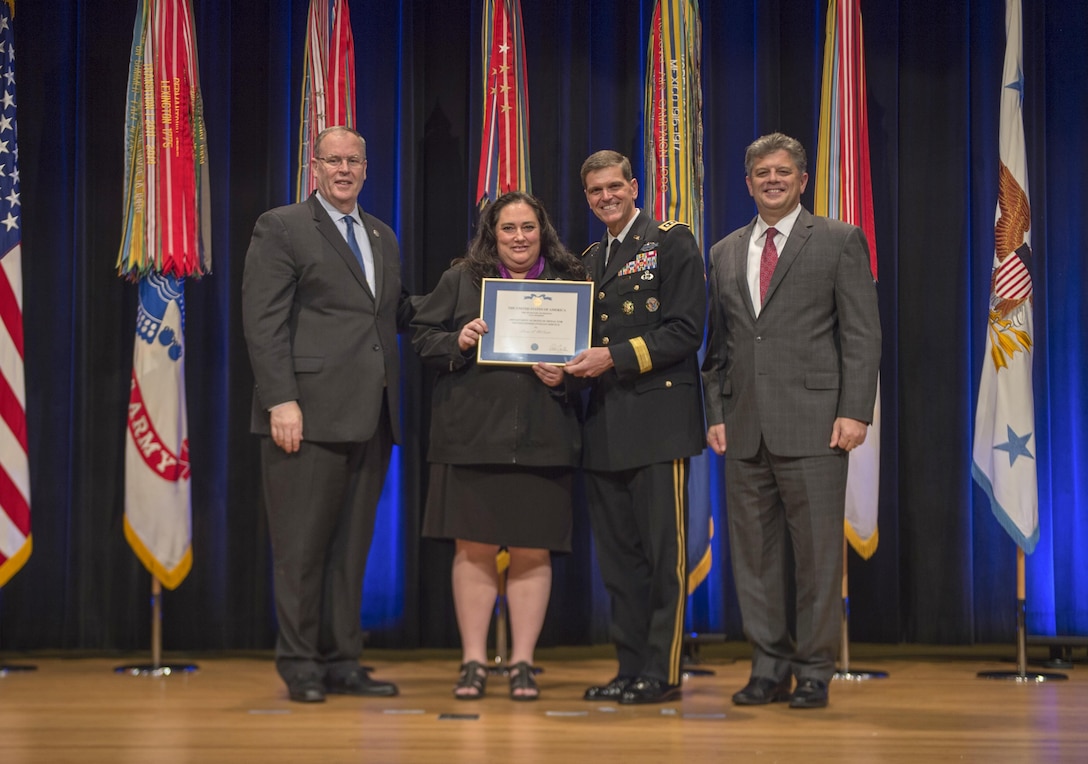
(1022, 675)
(156, 667)
(845, 673)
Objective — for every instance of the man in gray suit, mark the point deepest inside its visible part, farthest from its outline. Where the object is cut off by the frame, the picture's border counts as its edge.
(321, 305)
(790, 384)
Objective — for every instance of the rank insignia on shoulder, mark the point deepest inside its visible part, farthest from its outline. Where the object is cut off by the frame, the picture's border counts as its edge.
(648, 246)
(590, 249)
(668, 224)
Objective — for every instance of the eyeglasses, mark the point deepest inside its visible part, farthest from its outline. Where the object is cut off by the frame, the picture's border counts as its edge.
(354, 162)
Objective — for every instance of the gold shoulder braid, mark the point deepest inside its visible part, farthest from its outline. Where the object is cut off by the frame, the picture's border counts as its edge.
(587, 249)
(668, 224)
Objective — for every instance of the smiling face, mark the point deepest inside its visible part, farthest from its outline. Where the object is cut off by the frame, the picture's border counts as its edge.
(776, 185)
(517, 238)
(611, 197)
(340, 184)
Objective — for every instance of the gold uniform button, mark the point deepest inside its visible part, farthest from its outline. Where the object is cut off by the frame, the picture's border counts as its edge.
(668, 383)
(600, 295)
(636, 287)
(604, 340)
(604, 316)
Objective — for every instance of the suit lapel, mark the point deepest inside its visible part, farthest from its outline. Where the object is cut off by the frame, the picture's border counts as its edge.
(740, 264)
(376, 248)
(331, 231)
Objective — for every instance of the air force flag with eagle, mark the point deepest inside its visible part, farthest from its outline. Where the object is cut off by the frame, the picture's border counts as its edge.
(1005, 445)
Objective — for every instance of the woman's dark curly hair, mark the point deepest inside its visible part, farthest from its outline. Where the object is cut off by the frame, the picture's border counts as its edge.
(482, 257)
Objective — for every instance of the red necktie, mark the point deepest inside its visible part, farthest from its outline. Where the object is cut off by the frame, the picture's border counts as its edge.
(767, 261)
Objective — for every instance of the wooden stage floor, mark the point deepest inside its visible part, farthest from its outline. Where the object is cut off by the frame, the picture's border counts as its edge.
(931, 708)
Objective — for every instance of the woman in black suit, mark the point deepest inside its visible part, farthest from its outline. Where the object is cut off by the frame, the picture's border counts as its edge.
(504, 443)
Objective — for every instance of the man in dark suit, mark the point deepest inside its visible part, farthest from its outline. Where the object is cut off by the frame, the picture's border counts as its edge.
(643, 423)
(321, 305)
(790, 379)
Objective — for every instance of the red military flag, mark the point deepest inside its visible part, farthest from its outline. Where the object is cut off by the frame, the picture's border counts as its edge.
(328, 82)
(15, 538)
(504, 145)
(165, 241)
(844, 190)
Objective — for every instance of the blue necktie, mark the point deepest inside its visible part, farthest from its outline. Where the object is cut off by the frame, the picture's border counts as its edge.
(353, 245)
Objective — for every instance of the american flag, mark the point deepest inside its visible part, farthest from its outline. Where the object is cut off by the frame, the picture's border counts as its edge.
(15, 541)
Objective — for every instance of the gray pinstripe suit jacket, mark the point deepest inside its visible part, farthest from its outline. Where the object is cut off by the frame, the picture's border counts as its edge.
(812, 354)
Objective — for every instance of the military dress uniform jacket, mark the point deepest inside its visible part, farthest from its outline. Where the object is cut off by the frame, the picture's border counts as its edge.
(489, 414)
(650, 311)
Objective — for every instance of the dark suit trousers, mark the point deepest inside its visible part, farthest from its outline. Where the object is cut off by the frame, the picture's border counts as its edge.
(639, 520)
(771, 502)
(322, 502)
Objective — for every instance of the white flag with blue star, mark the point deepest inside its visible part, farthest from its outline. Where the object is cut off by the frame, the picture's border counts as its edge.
(1005, 445)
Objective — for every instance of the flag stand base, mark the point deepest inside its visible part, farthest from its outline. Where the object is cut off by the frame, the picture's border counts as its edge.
(691, 658)
(858, 675)
(1022, 675)
(846, 673)
(150, 669)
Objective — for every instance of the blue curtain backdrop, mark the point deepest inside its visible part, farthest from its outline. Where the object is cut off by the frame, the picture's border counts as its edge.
(944, 571)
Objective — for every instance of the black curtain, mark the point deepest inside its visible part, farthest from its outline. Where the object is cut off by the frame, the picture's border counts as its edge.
(944, 569)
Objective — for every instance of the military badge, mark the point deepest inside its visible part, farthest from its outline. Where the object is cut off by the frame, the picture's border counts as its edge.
(652, 304)
(628, 307)
(647, 276)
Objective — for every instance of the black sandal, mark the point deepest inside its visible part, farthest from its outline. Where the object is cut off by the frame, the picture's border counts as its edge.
(521, 678)
(473, 677)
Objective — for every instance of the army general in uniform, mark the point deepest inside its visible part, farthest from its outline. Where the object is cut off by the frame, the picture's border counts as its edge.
(643, 423)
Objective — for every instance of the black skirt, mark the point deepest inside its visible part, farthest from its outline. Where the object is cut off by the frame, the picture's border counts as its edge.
(508, 505)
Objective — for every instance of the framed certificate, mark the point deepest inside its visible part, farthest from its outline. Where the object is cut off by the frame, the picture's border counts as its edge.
(532, 321)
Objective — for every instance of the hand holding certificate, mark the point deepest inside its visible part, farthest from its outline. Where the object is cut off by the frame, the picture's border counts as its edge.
(534, 321)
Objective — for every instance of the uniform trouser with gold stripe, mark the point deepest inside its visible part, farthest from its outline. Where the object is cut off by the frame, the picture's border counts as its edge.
(639, 519)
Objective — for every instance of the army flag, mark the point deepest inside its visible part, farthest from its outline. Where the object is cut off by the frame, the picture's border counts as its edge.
(165, 241)
(844, 190)
(673, 153)
(15, 538)
(504, 144)
(1005, 446)
(328, 82)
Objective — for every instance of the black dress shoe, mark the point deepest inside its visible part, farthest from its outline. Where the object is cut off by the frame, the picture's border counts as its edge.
(311, 691)
(611, 691)
(358, 682)
(760, 691)
(645, 690)
(810, 693)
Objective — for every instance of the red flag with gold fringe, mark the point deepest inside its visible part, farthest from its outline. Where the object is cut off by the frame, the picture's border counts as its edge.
(328, 82)
(504, 145)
